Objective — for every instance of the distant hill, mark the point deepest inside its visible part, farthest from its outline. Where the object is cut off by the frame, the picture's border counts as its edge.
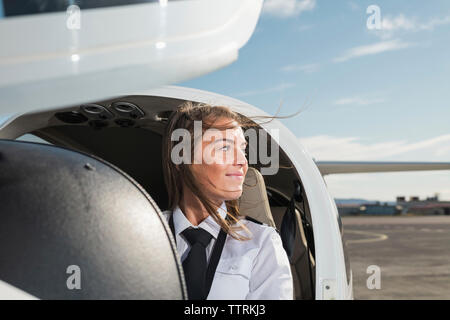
(360, 201)
(352, 201)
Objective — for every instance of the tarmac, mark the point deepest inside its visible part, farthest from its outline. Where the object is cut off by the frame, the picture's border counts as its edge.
(412, 253)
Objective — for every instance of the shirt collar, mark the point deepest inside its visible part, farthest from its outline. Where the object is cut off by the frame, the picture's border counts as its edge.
(181, 223)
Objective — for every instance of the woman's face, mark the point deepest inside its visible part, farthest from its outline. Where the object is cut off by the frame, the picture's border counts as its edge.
(224, 165)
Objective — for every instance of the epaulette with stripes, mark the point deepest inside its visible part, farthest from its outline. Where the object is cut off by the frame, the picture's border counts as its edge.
(253, 220)
(259, 222)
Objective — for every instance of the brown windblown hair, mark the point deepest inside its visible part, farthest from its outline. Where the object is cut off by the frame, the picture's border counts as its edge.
(175, 175)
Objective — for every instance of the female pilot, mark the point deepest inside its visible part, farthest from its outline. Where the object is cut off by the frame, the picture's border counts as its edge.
(224, 255)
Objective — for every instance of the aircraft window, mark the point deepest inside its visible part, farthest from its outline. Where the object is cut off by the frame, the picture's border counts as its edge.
(32, 138)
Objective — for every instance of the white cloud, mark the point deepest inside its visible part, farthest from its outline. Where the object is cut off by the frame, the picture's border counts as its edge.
(358, 100)
(442, 151)
(387, 186)
(434, 23)
(399, 22)
(288, 8)
(383, 186)
(306, 68)
(372, 49)
(444, 194)
(303, 27)
(325, 147)
(391, 25)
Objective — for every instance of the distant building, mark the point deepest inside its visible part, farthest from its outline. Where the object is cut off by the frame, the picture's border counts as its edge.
(348, 209)
(367, 209)
(415, 206)
(430, 206)
(379, 209)
(430, 209)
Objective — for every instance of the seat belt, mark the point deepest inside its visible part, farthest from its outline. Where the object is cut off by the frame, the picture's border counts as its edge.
(215, 255)
(289, 226)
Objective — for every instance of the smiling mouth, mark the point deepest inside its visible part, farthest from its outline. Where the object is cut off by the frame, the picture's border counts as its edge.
(238, 176)
(235, 174)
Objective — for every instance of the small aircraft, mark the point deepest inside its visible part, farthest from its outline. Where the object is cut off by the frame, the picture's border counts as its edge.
(81, 184)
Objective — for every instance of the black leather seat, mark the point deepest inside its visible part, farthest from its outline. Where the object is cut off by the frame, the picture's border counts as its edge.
(60, 208)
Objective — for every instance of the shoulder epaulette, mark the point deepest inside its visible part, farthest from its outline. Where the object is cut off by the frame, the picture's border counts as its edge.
(253, 220)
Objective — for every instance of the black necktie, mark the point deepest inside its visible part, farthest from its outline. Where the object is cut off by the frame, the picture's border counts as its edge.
(195, 263)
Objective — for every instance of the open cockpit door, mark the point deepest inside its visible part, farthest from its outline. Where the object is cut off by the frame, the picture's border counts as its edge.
(73, 226)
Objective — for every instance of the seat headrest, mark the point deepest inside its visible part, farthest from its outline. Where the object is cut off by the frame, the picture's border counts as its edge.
(253, 201)
(69, 220)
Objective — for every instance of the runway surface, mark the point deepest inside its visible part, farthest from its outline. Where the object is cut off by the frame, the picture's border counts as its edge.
(413, 254)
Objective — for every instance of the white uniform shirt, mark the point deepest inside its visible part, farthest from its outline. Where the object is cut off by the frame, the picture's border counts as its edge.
(255, 269)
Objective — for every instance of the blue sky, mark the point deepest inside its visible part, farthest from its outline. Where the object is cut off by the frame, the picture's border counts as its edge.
(364, 94)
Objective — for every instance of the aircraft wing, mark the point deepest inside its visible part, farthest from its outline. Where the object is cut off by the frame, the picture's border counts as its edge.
(54, 55)
(339, 167)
